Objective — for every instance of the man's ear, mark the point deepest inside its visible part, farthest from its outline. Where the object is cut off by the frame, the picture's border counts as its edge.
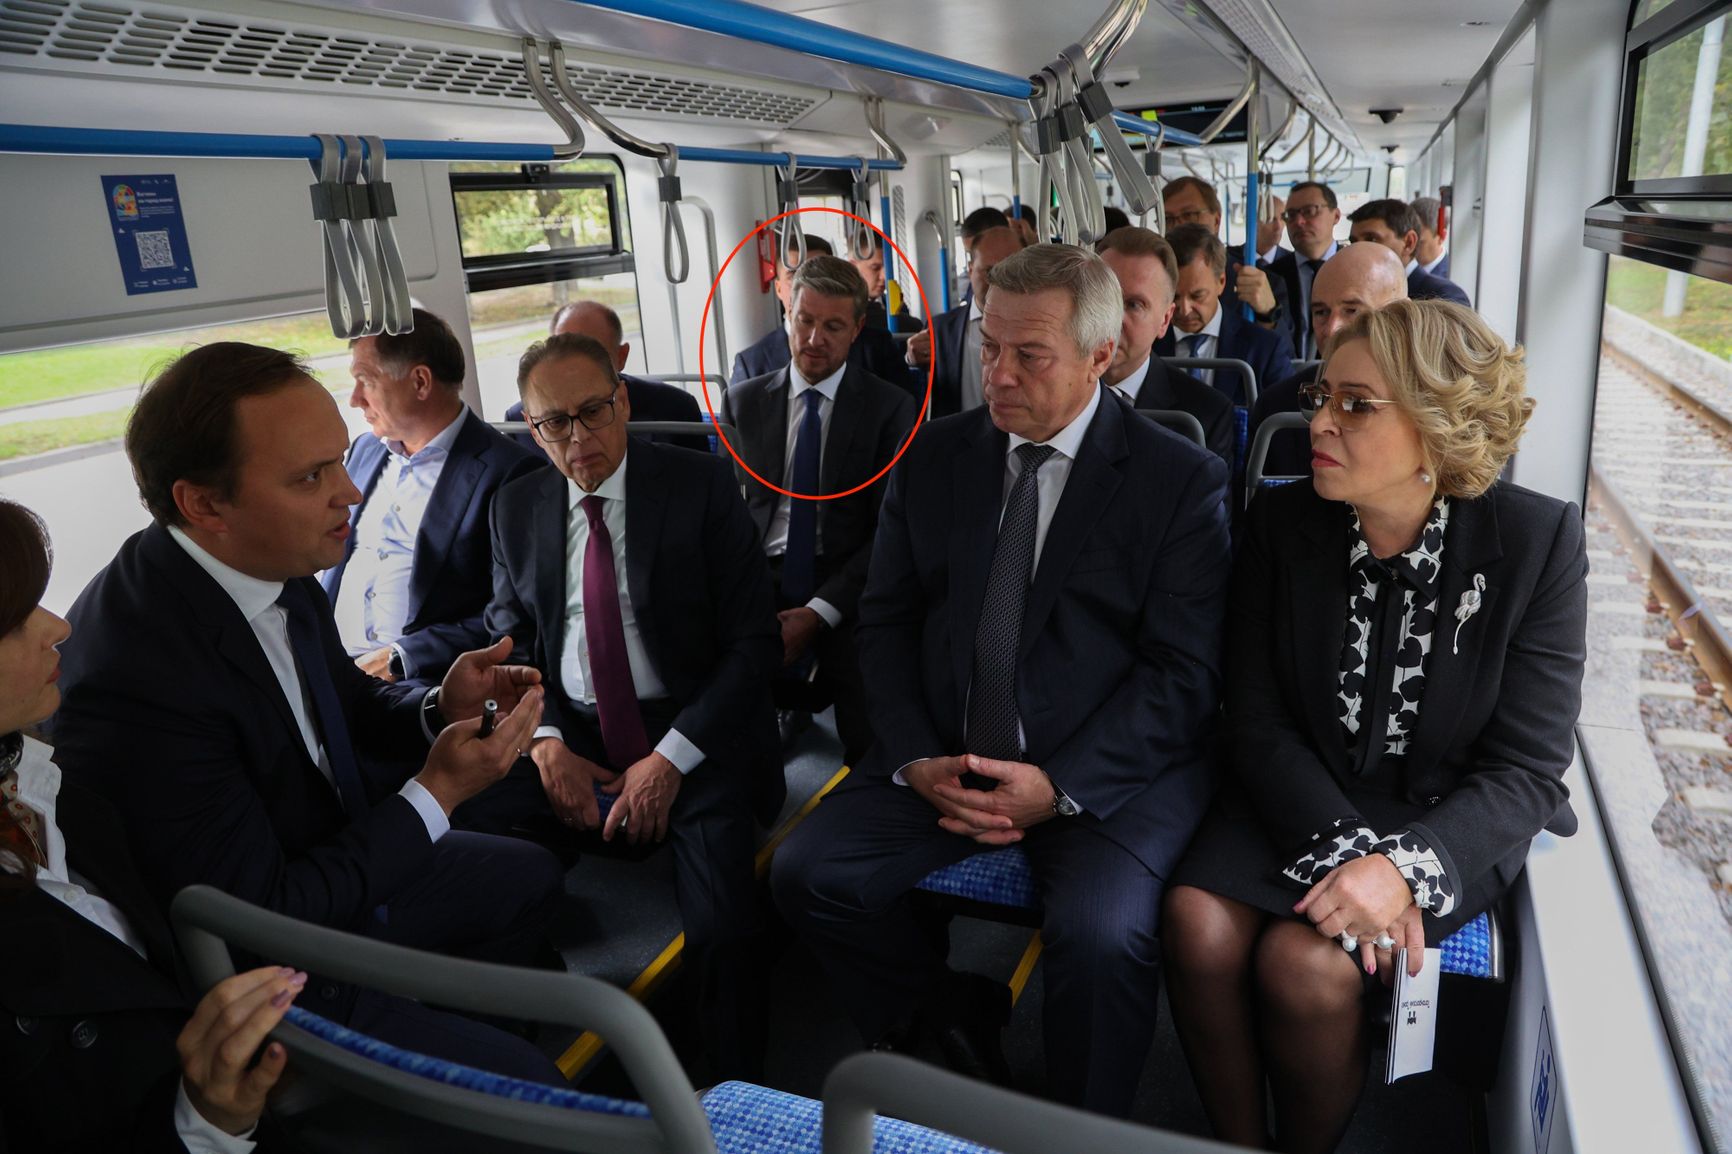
(619, 357)
(198, 507)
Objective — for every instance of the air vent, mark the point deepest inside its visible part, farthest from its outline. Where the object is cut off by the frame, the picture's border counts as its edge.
(181, 41)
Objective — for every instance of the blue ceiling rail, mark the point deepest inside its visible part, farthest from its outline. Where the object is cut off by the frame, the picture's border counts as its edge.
(761, 25)
(123, 142)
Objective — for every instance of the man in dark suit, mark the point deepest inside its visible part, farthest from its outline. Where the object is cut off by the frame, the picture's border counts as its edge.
(650, 400)
(1311, 216)
(1431, 254)
(1269, 247)
(1395, 226)
(820, 426)
(1357, 279)
(876, 351)
(632, 576)
(882, 292)
(1188, 200)
(208, 696)
(1147, 271)
(954, 338)
(1202, 327)
(1042, 616)
(416, 570)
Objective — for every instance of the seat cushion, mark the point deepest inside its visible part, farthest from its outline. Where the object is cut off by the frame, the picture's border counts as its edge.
(748, 1119)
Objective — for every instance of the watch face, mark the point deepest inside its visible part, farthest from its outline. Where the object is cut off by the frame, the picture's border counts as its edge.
(1068, 808)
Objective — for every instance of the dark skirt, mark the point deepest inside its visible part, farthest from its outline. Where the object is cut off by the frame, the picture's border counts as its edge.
(1233, 856)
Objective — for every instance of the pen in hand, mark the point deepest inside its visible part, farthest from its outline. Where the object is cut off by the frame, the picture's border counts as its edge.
(489, 711)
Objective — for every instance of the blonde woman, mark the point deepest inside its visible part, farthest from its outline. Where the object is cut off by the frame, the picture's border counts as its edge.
(1404, 672)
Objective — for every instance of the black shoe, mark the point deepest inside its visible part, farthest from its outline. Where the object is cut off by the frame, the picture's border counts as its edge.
(967, 1022)
(791, 723)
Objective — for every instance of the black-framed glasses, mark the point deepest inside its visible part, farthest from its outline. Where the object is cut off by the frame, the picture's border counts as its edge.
(1303, 212)
(557, 427)
(1348, 409)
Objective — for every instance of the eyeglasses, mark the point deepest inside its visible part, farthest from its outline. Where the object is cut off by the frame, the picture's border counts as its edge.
(1187, 216)
(556, 427)
(1349, 410)
(1303, 212)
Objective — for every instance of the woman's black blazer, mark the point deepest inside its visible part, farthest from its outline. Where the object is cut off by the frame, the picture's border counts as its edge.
(1496, 724)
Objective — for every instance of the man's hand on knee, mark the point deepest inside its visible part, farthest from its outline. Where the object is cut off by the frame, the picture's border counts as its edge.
(963, 811)
(1024, 798)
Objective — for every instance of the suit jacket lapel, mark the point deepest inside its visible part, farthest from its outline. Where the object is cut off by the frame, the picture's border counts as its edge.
(977, 496)
(457, 483)
(1094, 478)
(645, 509)
(847, 417)
(547, 552)
(1318, 610)
(961, 348)
(72, 966)
(770, 427)
(1472, 546)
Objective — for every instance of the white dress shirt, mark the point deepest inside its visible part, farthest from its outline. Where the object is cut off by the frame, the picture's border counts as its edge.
(1133, 383)
(373, 601)
(776, 541)
(973, 385)
(39, 788)
(1432, 267)
(1207, 348)
(574, 673)
(257, 601)
(1049, 484)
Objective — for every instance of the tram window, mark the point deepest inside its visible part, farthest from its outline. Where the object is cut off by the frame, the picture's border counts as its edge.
(63, 411)
(1665, 143)
(535, 237)
(1657, 729)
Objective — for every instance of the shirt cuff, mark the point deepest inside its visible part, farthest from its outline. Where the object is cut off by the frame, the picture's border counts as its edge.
(403, 660)
(832, 616)
(897, 776)
(1345, 839)
(685, 756)
(1428, 879)
(202, 1136)
(542, 731)
(432, 813)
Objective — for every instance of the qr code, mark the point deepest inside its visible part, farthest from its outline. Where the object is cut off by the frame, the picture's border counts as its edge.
(154, 251)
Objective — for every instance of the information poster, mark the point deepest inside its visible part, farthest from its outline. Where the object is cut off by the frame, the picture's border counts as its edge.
(149, 233)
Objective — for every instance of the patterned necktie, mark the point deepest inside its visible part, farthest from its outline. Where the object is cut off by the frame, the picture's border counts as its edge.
(23, 833)
(992, 717)
(328, 716)
(1197, 345)
(622, 731)
(800, 561)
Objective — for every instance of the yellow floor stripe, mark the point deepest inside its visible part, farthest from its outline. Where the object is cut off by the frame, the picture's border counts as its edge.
(1025, 967)
(584, 1051)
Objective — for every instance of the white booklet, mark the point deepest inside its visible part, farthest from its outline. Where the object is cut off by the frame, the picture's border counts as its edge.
(1413, 1017)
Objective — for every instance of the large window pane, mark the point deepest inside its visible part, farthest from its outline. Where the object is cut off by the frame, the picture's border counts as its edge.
(504, 322)
(534, 220)
(1656, 726)
(62, 414)
(1683, 121)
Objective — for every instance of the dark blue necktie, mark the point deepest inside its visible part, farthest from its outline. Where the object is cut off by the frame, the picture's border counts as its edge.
(1196, 342)
(800, 562)
(328, 716)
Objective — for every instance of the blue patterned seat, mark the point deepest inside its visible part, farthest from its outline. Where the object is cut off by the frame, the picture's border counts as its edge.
(748, 1119)
(745, 1119)
(1241, 438)
(1001, 877)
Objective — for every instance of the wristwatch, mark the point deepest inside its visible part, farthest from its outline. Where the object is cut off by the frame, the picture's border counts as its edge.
(1062, 804)
(394, 664)
(430, 715)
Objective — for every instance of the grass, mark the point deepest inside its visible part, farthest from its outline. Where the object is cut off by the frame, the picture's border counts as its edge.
(78, 370)
(27, 438)
(1706, 321)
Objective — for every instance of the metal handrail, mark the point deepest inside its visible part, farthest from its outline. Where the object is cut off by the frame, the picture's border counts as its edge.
(663, 428)
(1220, 122)
(1276, 423)
(1185, 424)
(1247, 375)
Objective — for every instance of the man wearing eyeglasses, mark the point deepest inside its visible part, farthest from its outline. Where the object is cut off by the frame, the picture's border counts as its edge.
(632, 576)
(1188, 200)
(1359, 278)
(1311, 216)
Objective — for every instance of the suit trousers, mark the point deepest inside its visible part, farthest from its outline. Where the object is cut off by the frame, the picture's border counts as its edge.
(713, 837)
(837, 681)
(842, 880)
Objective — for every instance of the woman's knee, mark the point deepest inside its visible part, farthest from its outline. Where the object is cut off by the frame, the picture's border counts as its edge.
(1204, 933)
(1300, 973)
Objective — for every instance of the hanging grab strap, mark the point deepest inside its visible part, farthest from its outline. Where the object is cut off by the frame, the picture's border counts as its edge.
(398, 314)
(344, 304)
(1097, 106)
(788, 197)
(673, 228)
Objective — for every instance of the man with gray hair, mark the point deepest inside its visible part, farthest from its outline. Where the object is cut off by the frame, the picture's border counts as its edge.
(817, 427)
(1040, 634)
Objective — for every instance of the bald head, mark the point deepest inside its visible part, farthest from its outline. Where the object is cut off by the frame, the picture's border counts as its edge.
(1358, 278)
(596, 321)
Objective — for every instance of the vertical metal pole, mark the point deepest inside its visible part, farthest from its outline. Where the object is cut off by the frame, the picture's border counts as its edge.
(1251, 199)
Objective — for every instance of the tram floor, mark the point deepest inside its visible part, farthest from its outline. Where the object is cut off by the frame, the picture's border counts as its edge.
(809, 1033)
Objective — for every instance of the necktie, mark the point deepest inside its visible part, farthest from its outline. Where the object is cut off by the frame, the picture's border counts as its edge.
(1307, 343)
(328, 716)
(1198, 345)
(992, 716)
(622, 732)
(22, 833)
(800, 562)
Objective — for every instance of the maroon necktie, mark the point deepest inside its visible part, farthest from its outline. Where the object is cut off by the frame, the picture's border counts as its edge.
(622, 732)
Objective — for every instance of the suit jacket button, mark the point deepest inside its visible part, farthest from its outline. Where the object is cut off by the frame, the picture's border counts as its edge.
(328, 991)
(26, 1026)
(83, 1035)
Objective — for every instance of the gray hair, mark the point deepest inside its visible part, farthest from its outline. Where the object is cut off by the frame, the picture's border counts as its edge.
(1097, 302)
(833, 277)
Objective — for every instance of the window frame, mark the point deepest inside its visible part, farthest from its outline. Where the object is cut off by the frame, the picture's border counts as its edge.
(516, 270)
(1667, 26)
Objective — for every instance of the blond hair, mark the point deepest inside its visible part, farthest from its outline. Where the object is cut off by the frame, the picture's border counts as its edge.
(1463, 388)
